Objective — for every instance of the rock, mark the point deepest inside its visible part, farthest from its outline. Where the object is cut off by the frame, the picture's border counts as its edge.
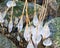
(55, 30)
(56, 36)
(6, 43)
(54, 25)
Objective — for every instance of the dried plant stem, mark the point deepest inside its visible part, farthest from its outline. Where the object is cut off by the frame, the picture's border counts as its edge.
(23, 10)
(7, 10)
(11, 11)
(43, 11)
(34, 7)
(27, 18)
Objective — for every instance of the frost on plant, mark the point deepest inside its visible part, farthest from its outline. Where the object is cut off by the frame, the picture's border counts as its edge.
(10, 26)
(10, 4)
(24, 28)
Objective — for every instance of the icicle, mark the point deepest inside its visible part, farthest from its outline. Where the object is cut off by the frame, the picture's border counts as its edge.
(18, 38)
(36, 38)
(10, 26)
(40, 26)
(16, 20)
(47, 42)
(20, 25)
(3, 14)
(30, 45)
(6, 23)
(35, 20)
(45, 31)
(27, 34)
(9, 4)
(32, 30)
(1, 18)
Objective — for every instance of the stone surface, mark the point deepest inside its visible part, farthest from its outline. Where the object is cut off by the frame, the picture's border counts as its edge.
(55, 30)
(6, 43)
